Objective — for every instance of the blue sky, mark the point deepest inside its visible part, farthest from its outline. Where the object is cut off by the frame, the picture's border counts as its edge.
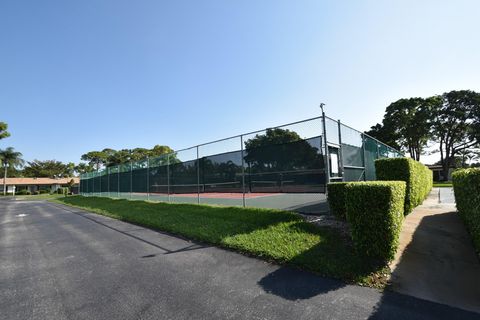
(77, 76)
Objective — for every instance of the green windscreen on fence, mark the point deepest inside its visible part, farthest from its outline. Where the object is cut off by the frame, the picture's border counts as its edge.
(282, 167)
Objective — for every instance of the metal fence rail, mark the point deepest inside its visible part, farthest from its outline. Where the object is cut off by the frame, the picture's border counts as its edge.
(282, 167)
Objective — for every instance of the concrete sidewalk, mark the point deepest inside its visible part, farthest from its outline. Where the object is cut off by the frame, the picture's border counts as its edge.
(436, 260)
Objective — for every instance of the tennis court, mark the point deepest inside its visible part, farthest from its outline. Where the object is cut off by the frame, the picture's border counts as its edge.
(285, 167)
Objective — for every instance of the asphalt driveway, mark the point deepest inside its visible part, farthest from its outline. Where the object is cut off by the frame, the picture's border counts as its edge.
(58, 262)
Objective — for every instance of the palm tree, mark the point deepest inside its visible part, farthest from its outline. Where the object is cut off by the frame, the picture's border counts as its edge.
(9, 158)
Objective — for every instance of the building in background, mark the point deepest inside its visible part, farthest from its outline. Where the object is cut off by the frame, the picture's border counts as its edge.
(37, 184)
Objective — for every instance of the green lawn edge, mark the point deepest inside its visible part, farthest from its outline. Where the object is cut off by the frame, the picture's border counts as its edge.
(447, 184)
(276, 236)
(34, 197)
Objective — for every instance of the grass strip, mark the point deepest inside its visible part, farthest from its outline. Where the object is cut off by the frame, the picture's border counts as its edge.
(273, 235)
(44, 196)
(446, 184)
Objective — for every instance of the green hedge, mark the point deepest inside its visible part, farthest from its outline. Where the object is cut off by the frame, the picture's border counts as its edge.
(466, 186)
(419, 178)
(336, 199)
(375, 215)
(23, 192)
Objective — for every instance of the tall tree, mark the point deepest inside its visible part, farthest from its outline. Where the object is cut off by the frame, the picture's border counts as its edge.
(9, 158)
(83, 167)
(48, 169)
(159, 150)
(3, 130)
(110, 157)
(95, 158)
(119, 157)
(456, 125)
(280, 150)
(384, 134)
(407, 124)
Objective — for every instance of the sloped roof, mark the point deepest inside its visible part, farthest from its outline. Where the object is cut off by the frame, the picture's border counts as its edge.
(38, 181)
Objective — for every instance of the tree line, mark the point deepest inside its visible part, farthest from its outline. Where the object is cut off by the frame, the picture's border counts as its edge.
(14, 166)
(450, 121)
(111, 157)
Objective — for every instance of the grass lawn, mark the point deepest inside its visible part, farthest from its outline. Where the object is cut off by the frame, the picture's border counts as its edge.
(44, 196)
(280, 236)
(443, 184)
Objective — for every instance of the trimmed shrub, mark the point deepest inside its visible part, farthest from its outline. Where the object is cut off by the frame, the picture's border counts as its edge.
(418, 177)
(23, 192)
(43, 191)
(375, 215)
(36, 192)
(336, 199)
(63, 190)
(466, 186)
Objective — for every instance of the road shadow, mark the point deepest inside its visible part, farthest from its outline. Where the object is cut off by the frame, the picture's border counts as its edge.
(294, 284)
(393, 306)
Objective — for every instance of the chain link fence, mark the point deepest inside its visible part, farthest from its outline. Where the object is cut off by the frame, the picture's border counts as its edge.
(285, 167)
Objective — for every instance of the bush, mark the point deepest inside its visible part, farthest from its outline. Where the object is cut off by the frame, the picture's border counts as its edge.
(23, 192)
(36, 192)
(375, 215)
(466, 186)
(336, 199)
(43, 191)
(63, 190)
(418, 177)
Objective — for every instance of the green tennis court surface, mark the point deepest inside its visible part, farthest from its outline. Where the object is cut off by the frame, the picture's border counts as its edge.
(309, 203)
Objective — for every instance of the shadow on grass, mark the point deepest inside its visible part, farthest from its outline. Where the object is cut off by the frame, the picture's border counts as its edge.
(333, 257)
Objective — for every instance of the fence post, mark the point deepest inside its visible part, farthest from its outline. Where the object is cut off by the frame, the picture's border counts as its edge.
(327, 165)
(364, 160)
(108, 182)
(118, 180)
(198, 177)
(131, 178)
(168, 177)
(340, 154)
(243, 170)
(100, 176)
(148, 178)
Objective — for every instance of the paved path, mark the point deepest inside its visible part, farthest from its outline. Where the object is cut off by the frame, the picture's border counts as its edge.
(62, 263)
(436, 259)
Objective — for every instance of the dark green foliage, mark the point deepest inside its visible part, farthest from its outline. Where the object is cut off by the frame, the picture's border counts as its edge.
(63, 190)
(456, 125)
(23, 192)
(48, 169)
(280, 150)
(43, 191)
(466, 185)
(418, 177)
(375, 215)
(3, 130)
(336, 199)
